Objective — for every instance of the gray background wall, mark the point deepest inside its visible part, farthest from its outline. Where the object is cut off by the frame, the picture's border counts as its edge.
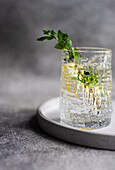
(89, 23)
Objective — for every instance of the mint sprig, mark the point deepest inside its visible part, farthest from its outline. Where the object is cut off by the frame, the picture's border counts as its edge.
(61, 37)
(63, 42)
(88, 78)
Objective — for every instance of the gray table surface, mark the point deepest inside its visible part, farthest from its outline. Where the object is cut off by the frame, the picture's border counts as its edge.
(23, 145)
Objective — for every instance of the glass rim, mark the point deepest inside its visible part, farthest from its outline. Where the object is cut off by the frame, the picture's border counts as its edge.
(91, 50)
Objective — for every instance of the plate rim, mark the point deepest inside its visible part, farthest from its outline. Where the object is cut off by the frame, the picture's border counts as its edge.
(86, 131)
(73, 135)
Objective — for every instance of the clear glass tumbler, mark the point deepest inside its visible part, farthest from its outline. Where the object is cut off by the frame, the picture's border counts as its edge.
(86, 84)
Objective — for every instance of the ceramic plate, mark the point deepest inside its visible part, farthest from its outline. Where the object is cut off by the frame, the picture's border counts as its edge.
(48, 119)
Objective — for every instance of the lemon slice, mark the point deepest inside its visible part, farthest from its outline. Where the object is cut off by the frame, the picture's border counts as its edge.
(68, 71)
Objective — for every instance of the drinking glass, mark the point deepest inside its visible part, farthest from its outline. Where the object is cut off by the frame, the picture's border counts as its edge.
(85, 90)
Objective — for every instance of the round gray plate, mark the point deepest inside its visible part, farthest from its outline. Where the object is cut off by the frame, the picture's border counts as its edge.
(48, 119)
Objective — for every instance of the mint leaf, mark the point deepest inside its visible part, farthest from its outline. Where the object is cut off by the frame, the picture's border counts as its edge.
(74, 78)
(70, 44)
(71, 53)
(60, 35)
(66, 46)
(61, 46)
(53, 33)
(65, 36)
(47, 32)
(45, 38)
(58, 46)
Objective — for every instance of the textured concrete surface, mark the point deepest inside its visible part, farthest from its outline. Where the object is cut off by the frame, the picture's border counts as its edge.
(23, 145)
